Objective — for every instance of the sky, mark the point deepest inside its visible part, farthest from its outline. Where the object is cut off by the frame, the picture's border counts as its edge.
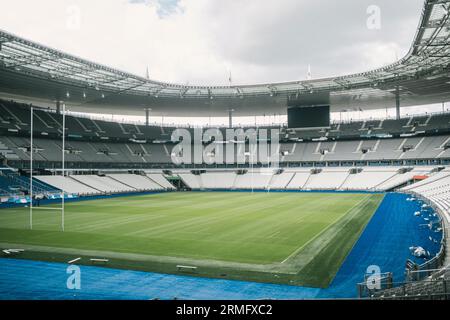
(203, 42)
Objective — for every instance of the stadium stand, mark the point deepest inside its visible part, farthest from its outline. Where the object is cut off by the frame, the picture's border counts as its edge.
(118, 151)
(69, 185)
(281, 180)
(410, 154)
(98, 141)
(374, 155)
(138, 182)
(436, 176)
(299, 179)
(253, 179)
(7, 153)
(191, 180)
(394, 150)
(160, 180)
(436, 189)
(218, 180)
(368, 178)
(405, 176)
(103, 183)
(435, 287)
(11, 183)
(328, 179)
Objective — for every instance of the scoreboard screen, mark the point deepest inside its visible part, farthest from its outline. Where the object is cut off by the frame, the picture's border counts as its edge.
(309, 117)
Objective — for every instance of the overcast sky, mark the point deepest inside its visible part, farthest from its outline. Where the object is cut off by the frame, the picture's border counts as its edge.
(200, 41)
(203, 41)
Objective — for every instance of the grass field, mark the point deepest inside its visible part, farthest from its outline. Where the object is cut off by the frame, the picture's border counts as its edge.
(296, 238)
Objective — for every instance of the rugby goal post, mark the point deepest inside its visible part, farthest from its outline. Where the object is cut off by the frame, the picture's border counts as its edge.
(63, 150)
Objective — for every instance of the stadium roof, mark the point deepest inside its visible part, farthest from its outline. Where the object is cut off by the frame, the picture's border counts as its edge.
(38, 74)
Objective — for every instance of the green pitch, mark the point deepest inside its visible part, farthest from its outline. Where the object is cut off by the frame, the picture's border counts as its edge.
(296, 238)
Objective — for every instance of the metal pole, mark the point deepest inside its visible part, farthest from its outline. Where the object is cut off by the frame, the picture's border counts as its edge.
(269, 167)
(252, 171)
(63, 163)
(31, 167)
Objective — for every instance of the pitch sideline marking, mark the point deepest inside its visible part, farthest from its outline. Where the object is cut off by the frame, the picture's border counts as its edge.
(320, 233)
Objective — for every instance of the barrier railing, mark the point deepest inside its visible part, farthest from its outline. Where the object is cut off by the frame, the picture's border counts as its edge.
(439, 259)
(436, 285)
(424, 281)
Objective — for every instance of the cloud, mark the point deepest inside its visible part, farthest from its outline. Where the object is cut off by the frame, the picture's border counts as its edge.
(199, 41)
(164, 7)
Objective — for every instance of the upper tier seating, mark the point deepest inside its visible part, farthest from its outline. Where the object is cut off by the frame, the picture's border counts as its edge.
(16, 116)
(434, 147)
(113, 144)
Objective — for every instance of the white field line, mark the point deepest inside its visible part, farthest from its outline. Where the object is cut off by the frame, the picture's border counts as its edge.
(274, 234)
(320, 233)
(206, 221)
(114, 222)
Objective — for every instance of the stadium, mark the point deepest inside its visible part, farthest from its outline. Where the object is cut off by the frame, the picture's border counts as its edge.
(308, 208)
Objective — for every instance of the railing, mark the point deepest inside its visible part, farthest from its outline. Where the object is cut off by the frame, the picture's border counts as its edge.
(437, 289)
(425, 281)
(435, 286)
(428, 268)
(438, 260)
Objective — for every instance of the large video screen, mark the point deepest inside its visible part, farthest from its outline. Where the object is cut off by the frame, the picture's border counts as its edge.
(308, 117)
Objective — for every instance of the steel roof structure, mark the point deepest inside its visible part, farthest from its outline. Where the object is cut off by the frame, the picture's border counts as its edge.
(36, 73)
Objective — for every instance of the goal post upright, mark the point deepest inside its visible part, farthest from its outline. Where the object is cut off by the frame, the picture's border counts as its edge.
(63, 164)
(31, 166)
(63, 148)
